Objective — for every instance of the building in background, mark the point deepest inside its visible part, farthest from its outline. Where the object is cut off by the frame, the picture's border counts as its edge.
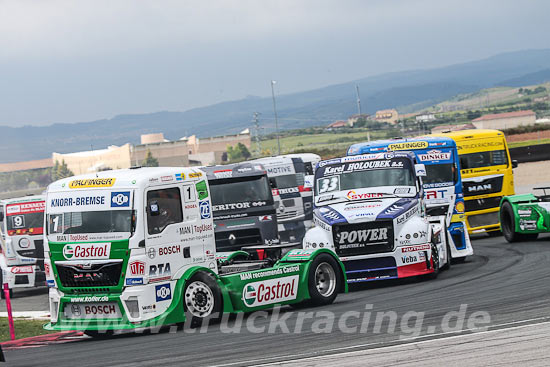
(390, 116)
(425, 117)
(113, 157)
(506, 120)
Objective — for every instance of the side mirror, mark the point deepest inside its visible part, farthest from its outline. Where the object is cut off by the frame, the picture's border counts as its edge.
(514, 163)
(154, 209)
(420, 170)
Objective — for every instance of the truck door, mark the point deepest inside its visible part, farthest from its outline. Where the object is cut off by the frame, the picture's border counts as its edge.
(171, 213)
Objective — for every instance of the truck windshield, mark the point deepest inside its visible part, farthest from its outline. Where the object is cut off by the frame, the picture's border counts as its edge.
(439, 173)
(483, 159)
(91, 222)
(241, 189)
(286, 181)
(365, 179)
(25, 221)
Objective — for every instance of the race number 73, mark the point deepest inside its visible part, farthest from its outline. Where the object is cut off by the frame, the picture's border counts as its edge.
(328, 184)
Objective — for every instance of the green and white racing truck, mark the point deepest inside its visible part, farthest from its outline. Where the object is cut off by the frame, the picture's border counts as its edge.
(135, 248)
(523, 217)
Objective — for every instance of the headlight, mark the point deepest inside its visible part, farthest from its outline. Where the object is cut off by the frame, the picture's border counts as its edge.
(24, 243)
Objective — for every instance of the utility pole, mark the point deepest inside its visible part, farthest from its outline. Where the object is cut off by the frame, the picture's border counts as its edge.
(276, 119)
(257, 132)
(358, 100)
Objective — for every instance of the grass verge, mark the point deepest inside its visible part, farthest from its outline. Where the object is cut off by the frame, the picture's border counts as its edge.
(23, 328)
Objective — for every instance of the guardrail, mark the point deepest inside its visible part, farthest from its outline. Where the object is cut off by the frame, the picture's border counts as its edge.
(531, 153)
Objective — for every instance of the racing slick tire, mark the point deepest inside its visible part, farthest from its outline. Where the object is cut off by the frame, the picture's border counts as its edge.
(508, 226)
(324, 280)
(447, 265)
(2, 294)
(202, 299)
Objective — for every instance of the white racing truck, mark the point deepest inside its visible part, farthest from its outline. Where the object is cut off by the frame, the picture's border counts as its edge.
(370, 210)
(21, 246)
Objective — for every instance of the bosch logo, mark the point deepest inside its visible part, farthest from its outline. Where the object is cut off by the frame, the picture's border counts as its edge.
(120, 199)
(163, 292)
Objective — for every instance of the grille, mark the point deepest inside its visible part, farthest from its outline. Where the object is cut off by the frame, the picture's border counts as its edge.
(482, 204)
(287, 215)
(99, 275)
(487, 186)
(481, 220)
(363, 238)
(37, 252)
(239, 238)
(370, 269)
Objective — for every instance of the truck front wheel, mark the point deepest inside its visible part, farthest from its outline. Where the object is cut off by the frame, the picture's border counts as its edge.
(508, 225)
(324, 280)
(202, 299)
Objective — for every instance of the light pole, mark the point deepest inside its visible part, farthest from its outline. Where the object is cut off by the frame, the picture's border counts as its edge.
(276, 119)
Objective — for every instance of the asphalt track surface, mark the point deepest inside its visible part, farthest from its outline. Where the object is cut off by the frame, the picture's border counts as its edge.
(508, 283)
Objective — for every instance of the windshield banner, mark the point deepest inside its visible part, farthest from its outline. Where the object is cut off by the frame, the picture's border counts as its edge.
(25, 208)
(61, 202)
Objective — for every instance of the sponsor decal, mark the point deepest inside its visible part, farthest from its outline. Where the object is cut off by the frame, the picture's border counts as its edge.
(90, 299)
(437, 185)
(289, 190)
(96, 310)
(191, 206)
(50, 283)
(25, 208)
(435, 194)
(28, 269)
(407, 215)
(272, 272)
(320, 223)
(355, 196)
(233, 206)
(195, 175)
(163, 292)
(159, 272)
(92, 182)
(86, 251)
(137, 268)
(148, 308)
(134, 281)
(481, 145)
(223, 173)
(77, 201)
(120, 199)
(204, 207)
(527, 225)
(409, 259)
(362, 206)
(271, 291)
(524, 212)
(169, 250)
(202, 190)
(416, 248)
(402, 190)
(151, 253)
(265, 218)
(408, 145)
(435, 155)
(180, 176)
(279, 170)
(363, 235)
(166, 178)
(244, 169)
(47, 269)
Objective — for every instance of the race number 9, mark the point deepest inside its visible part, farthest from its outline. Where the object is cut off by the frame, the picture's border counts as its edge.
(18, 221)
(328, 184)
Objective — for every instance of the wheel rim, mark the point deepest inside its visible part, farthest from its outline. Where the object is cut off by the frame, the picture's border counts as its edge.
(199, 299)
(325, 279)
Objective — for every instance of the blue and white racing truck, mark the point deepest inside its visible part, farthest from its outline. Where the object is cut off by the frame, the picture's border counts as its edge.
(442, 184)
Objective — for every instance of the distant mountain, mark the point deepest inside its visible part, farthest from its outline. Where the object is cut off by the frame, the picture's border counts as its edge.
(314, 107)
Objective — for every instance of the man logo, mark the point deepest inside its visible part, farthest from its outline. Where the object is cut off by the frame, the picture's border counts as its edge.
(75, 310)
(151, 253)
(120, 199)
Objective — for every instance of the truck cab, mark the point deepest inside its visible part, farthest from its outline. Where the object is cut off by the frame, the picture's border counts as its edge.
(370, 210)
(242, 205)
(135, 248)
(293, 198)
(442, 184)
(22, 251)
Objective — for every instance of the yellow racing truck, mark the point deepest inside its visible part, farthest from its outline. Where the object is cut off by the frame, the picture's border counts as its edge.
(487, 176)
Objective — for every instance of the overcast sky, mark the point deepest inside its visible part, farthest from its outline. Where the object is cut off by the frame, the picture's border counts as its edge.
(71, 61)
